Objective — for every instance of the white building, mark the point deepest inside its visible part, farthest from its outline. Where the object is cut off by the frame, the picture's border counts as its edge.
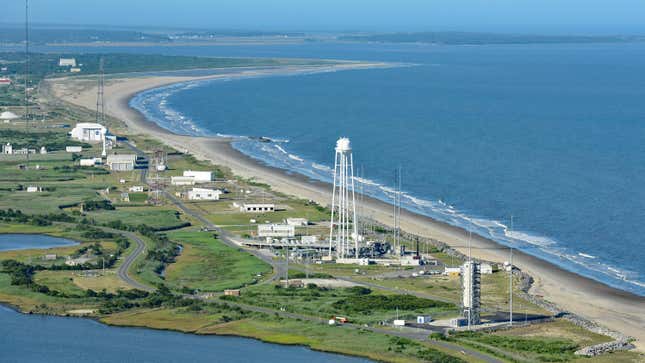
(8, 116)
(257, 208)
(297, 222)
(308, 240)
(67, 62)
(121, 162)
(452, 271)
(200, 176)
(276, 230)
(33, 189)
(203, 194)
(74, 70)
(89, 162)
(73, 149)
(43, 150)
(182, 180)
(7, 149)
(88, 132)
(487, 268)
(424, 319)
(136, 189)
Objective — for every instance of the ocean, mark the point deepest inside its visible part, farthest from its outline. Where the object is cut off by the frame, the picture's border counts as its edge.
(551, 135)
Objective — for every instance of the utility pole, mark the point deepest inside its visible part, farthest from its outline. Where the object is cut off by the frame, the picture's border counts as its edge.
(510, 282)
(27, 65)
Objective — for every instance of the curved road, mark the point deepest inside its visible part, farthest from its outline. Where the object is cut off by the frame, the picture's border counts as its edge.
(122, 272)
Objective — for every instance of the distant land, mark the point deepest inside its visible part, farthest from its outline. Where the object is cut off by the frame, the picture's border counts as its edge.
(468, 38)
(70, 35)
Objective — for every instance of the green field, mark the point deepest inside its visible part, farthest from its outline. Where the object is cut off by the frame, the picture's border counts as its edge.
(208, 265)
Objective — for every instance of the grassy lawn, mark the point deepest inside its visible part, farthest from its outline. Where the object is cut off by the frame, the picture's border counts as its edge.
(208, 265)
(155, 217)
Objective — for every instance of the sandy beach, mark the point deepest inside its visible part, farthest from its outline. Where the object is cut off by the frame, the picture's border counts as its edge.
(610, 307)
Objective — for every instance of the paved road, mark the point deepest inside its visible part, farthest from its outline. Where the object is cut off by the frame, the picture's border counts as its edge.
(122, 272)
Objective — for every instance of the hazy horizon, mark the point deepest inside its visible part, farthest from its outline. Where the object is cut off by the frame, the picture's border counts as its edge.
(546, 17)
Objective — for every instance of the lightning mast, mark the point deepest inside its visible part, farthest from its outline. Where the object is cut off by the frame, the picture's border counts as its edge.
(100, 108)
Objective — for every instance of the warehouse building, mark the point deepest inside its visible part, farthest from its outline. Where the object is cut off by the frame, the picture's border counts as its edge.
(257, 208)
(121, 162)
(88, 132)
(200, 176)
(203, 194)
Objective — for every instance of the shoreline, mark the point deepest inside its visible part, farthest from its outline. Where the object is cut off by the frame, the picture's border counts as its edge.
(616, 309)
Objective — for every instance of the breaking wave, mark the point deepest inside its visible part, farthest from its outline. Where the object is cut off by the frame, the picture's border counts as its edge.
(153, 104)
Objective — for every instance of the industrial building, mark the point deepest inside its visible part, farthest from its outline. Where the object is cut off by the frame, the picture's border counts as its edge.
(253, 208)
(121, 162)
(203, 194)
(182, 180)
(90, 161)
(471, 290)
(67, 62)
(73, 149)
(298, 222)
(200, 176)
(88, 132)
(276, 230)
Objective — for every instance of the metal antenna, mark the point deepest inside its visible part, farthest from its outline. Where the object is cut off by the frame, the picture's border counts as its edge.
(27, 64)
(510, 282)
(100, 109)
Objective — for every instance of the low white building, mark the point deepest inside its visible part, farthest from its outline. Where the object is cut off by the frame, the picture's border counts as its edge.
(308, 240)
(33, 189)
(487, 268)
(73, 149)
(297, 222)
(67, 62)
(89, 162)
(7, 149)
(121, 162)
(200, 176)
(136, 189)
(43, 150)
(182, 180)
(257, 208)
(424, 319)
(452, 271)
(276, 230)
(203, 194)
(88, 132)
(7, 116)
(398, 322)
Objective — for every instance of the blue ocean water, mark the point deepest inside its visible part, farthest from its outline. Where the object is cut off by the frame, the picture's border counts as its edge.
(550, 134)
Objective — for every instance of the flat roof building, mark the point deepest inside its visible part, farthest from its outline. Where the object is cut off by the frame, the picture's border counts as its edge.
(257, 208)
(297, 222)
(73, 149)
(200, 176)
(67, 62)
(121, 162)
(203, 194)
(276, 230)
(182, 180)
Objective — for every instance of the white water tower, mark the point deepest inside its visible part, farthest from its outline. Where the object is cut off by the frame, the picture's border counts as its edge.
(343, 232)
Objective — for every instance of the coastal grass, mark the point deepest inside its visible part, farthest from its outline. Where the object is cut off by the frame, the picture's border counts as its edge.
(559, 328)
(109, 282)
(207, 264)
(358, 342)
(62, 281)
(494, 290)
(359, 305)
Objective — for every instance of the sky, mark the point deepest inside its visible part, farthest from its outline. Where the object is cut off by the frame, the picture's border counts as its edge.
(544, 16)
